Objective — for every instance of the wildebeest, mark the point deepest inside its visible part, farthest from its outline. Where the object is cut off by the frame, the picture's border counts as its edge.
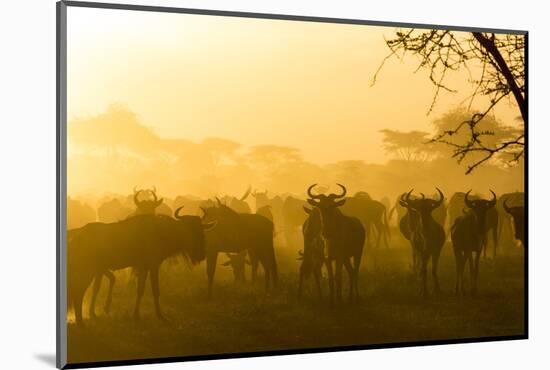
(427, 237)
(237, 262)
(236, 232)
(344, 237)
(266, 212)
(468, 236)
(293, 218)
(410, 227)
(457, 206)
(518, 215)
(313, 255)
(142, 242)
(113, 210)
(371, 213)
(240, 205)
(79, 214)
(506, 221)
(149, 204)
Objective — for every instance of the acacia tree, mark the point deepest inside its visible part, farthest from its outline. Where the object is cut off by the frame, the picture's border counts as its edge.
(496, 66)
(408, 146)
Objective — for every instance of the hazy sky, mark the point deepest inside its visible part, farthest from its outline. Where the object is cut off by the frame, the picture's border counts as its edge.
(299, 84)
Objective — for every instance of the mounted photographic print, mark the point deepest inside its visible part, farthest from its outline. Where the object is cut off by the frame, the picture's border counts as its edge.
(236, 184)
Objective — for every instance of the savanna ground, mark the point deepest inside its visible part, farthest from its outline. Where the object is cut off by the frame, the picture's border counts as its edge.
(240, 318)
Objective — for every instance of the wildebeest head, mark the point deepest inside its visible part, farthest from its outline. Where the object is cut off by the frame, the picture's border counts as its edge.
(328, 206)
(148, 205)
(518, 215)
(479, 207)
(228, 222)
(237, 261)
(424, 206)
(193, 228)
(261, 198)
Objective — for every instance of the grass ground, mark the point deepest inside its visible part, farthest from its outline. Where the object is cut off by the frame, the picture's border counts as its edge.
(242, 319)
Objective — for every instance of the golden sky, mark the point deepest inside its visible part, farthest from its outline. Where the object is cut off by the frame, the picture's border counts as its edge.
(254, 81)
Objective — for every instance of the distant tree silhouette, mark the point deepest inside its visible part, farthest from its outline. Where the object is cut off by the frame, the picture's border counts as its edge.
(408, 146)
(496, 64)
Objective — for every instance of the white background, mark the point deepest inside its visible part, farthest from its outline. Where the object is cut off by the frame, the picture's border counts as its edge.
(27, 182)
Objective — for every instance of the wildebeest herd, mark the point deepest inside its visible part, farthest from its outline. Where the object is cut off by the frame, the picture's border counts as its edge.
(335, 230)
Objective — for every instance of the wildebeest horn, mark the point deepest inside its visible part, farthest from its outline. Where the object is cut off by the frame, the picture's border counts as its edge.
(219, 201)
(203, 210)
(310, 194)
(246, 193)
(441, 198)
(467, 201)
(505, 206)
(344, 192)
(136, 200)
(408, 196)
(154, 193)
(177, 213)
(494, 200)
(423, 196)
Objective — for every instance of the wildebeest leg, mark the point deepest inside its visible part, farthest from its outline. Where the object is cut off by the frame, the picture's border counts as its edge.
(300, 282)
(330, 274)
(156, 292)
(97, 285)
(211, 260)
(141, 277)
(435, 262)
(356, 265)
(317, 277)
(77, 303)
(267, 274)
(423, 274)
(112, 279)
(495, 240)
(471, 265)
(476, 270)
(379, 231)
(349, 269)
(338, 278)
(458, 262)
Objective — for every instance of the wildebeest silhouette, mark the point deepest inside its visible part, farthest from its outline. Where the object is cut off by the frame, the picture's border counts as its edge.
(113, 210)
(456, 209)
(293, 218)
(266, 212)
(468, 236)
(142, 242)
(236, 232)
(506, 227)
(149, 205)
(312, 257)
(344, 237)
(79, 213)
(518, 215)
(371, 213)
(411, 228)
(428, 235)
(239, 205)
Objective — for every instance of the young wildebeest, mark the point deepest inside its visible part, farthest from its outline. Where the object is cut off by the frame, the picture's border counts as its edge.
(344, 237)
(427, 237)
(518, 215)
(142, 242)
(468, 236)
(313, 255)
(236, 232)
